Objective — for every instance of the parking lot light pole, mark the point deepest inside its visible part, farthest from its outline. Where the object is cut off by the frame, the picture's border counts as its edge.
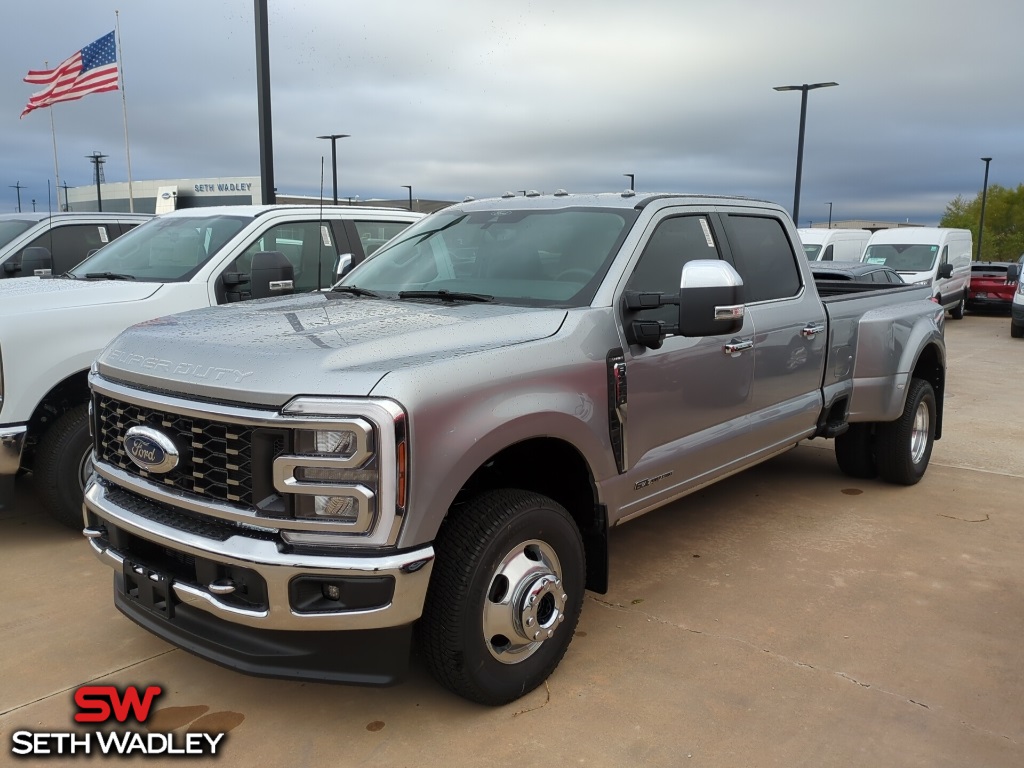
(334, 158)
(829, 215)
(409, 187)
(984, 194)
(98, 159)
(800, 141)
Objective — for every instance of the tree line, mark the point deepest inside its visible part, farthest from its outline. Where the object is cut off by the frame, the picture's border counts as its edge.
(1003, 239)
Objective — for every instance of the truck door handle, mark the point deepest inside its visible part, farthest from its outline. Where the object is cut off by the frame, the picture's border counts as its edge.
(811, 330)
(734, 347)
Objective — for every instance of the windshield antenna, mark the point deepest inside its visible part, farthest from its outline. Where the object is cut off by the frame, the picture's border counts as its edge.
(320, 234)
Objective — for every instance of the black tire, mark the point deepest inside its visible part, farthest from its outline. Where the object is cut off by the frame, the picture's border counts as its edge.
(531, 538)
(855, 452)
(62, 463)
(904, 447)
(957, 312)
(1016, 331)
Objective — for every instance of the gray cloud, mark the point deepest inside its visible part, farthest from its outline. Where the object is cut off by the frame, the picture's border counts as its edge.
(467, 98)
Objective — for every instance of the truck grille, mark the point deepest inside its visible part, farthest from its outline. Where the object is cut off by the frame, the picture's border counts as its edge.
(215, 458)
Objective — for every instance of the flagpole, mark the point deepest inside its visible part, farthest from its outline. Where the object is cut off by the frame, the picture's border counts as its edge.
(124, 109)
(56, 170)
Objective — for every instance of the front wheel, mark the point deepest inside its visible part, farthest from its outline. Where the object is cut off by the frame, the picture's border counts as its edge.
(957, 312)
(904, 447)
(63, 464)
(505, 595)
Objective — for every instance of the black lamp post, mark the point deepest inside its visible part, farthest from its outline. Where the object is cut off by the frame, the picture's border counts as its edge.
(800, 141)
(409, 187)
(98, 160)
(984, 194)
(630, 175)
(334, 158)
(829, 215)
(17, 185)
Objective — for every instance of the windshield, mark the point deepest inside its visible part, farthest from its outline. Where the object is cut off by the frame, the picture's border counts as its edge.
(903, 257)
(528, 257)
(11, 228)
(811, 251)
(164, 250)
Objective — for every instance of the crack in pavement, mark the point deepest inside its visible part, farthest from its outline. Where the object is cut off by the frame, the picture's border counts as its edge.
(793, 662)
(86, 682)
(547, 700)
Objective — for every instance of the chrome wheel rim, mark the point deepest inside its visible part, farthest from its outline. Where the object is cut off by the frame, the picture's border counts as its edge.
(85, 468)
(919, 433)
(524, 603)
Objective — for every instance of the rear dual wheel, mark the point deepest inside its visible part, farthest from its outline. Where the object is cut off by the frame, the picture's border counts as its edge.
(897, 451)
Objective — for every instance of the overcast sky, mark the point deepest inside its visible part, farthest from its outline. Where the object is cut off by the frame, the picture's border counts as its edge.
(470, 97)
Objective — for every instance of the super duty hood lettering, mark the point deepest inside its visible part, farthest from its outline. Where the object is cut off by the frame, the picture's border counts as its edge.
(132, 360)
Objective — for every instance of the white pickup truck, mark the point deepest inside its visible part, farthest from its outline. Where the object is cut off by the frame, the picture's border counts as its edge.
(51, 328)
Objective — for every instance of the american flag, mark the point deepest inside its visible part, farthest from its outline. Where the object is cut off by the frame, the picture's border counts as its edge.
(90, 70)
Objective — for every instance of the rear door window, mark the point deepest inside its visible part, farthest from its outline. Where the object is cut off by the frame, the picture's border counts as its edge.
(763, 256)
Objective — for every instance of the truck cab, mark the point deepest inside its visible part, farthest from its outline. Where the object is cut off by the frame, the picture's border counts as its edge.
(59, 241)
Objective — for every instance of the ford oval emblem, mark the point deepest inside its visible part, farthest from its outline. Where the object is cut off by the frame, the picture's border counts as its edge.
(150, 450)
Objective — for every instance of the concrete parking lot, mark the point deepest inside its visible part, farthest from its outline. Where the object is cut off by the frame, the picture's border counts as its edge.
(789, 616)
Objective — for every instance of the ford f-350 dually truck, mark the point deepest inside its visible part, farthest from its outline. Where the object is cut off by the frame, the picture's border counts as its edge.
(439, 446)
(51, 328)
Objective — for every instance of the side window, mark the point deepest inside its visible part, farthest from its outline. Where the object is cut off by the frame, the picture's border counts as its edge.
(675, 241)
(764, 258)
(69, 245)
(880, 276)
(373, 234)
(308, 245)
(828, 254)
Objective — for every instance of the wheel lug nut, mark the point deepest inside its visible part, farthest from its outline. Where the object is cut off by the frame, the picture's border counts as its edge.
(529, 622)
(536, 634)
(551, 632)
(564, 598)
(561, 618)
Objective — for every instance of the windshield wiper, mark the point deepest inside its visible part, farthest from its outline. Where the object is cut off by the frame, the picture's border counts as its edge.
(108, 276)
(355, 290)
(430, 232)
(449, 296)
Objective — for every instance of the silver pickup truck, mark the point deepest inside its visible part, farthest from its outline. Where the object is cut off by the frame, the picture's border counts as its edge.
(438, 447)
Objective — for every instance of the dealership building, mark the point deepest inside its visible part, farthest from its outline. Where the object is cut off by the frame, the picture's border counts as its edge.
(163, 195)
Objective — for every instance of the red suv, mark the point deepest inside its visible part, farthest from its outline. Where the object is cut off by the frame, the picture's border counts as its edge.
(991, 287)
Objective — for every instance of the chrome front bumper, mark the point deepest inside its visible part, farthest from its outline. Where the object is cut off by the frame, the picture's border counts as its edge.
(410, 571)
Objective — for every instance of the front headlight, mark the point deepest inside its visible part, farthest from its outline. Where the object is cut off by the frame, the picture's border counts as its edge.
(923, 282)
(347, 468)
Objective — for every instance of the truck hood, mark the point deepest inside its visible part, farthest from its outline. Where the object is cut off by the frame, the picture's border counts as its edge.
(266, 352)
(25, 295)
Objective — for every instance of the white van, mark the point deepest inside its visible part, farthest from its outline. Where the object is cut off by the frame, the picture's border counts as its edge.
(935, 256)
(834, 244)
